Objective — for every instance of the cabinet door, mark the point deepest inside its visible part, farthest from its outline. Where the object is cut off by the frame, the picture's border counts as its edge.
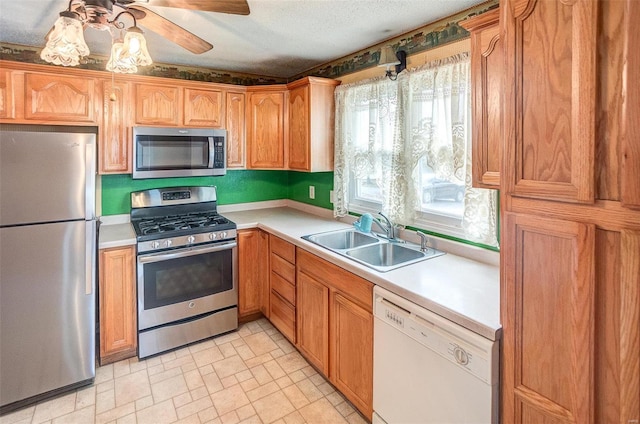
(252, 270)
(550, 105)
(487, 67)
(352, 352)
(118, 338)
(59, 98)
(236, 109)
(203, 108)
(548, 320)
(313, 320)
(299, 143)
(265, 146)
(6, 95)
(158, 105)
(115, 132)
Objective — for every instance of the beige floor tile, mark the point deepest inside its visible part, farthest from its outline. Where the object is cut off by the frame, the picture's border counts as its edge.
(283, 382)
(321, 411)
(244, 375)
(179, 361)
(252, 420)
(227, 350)
(209, 415)
(86, 397)
(107, 385)
(246, 412)
(250, 384)
(245, 352)
(262, 391)
(105, 401)
(294, 418)
(191, 419)
(155, 369)
(226, 338)
(194, 407)
(292, 362)
(259, 360)
(182, 400)
(155, 378)
(121, 368)
(127, 419)
(166, 389)
(115, 413)
(326, 388)
(230, 418)
(189, 367)
(206, 369)
(261, 374)
(103, 374)
(167, 357)
(200, 392)
(295, 396)
(260, 343)
(136, 364)
(212, 383)
(297, 376)
(275, 354)
(345, 409)
(317, 379)
(335, 398)
(227, 400)
(273, 407)
(274, 369)
(356, 418)
(229, 366)
(193, 379)
(144, 402)
(160, 413)
(131, 387)
(207, 344)
(309, 389)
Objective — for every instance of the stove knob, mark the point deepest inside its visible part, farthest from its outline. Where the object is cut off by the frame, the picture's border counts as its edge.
(213, 236)
(155, 244)
(191, 239)
(169, 243)
(224, 234)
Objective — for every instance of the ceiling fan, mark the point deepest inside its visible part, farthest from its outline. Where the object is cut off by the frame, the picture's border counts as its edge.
(102, 13)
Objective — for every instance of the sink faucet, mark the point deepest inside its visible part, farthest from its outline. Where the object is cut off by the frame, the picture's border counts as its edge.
(386, 226)
(423, 241)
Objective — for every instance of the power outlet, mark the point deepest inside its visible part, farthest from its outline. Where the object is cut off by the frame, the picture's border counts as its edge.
(312, 192)
(331, 196)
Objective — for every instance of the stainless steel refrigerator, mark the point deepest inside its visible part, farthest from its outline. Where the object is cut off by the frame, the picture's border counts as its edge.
(47, 260)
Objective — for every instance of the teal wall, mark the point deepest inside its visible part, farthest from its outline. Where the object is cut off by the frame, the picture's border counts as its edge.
(237, 186)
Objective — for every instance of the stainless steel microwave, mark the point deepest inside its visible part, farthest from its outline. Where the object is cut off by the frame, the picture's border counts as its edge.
(178, 152)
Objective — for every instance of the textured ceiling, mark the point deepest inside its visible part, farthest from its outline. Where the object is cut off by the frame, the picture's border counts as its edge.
(278, 38)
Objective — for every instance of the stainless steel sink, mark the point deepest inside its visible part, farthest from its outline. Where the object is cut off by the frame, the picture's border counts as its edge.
(342, 239)
(377, 253)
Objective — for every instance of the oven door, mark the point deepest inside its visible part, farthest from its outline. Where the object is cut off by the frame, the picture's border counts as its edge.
(184, 283)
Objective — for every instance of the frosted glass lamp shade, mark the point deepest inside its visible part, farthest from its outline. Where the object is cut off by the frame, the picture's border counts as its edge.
(119, 64)
(388, 57)
(135, 47)
(65, 43)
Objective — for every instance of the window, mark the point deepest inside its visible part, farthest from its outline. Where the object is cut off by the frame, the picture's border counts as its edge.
(403, 147)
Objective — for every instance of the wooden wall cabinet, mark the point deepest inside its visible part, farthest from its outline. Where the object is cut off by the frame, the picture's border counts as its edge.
(311, 124)
(7, 110)
(204, 108)
(253, 271)
(282, 282)
(158, 105)
(114, 149)
(487, 67)
(235, 125)
(117, 300)
(266, 121)
(570, 266)
(335, 326)
(60, 98)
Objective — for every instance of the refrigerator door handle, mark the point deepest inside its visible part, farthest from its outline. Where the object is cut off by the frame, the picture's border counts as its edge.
(90, 256)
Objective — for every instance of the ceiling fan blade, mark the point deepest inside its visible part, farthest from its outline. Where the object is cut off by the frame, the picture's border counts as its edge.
(235, 7)
(173, 32)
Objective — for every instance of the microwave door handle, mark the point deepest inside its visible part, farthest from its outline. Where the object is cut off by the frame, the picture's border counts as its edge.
(157, 257)
(212, 153)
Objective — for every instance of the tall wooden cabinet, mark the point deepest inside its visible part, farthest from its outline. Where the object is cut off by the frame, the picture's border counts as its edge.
(487, 67)
(115, 133)
(235, 125)
(311, 124)
(253, 271)
(7, 110)
(266, 120)
(570, 268)
(117, 304)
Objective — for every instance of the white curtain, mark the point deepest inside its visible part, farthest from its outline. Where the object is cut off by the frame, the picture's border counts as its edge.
(424, 116)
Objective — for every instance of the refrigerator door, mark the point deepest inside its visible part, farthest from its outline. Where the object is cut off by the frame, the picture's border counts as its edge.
(47, 308)
(47, 174)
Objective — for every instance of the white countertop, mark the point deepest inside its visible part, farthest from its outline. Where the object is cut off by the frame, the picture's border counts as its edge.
(462, 290)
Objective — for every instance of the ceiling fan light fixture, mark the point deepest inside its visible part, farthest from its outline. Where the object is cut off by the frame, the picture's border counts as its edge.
(119, 64)
(65, 42)
(135, 47)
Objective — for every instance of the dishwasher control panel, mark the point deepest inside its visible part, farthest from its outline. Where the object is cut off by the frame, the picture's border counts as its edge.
(463, 347)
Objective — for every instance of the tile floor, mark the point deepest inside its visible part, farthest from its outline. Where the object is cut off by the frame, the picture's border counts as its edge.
(253, 375)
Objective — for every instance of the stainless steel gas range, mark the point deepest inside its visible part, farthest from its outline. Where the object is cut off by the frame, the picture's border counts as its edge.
(187, 268)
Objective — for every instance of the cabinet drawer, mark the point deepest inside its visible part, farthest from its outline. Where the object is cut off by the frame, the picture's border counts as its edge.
(283, 316)
(284, 249)
(284, 288)
(283, 268)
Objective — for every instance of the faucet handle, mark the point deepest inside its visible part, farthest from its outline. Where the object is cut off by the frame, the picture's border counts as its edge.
(423, 241)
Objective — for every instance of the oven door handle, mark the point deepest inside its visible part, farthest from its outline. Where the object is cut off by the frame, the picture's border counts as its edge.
(183, 253)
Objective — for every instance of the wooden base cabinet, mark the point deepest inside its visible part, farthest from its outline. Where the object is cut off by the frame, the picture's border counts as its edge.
(282, 282)
(117, 303)
(253, 271)
(335, 326)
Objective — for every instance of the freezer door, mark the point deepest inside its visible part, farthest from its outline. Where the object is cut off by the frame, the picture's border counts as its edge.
(47, 308)
(46, 176)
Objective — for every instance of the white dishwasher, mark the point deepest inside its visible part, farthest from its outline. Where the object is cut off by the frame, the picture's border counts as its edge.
(428, 370)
